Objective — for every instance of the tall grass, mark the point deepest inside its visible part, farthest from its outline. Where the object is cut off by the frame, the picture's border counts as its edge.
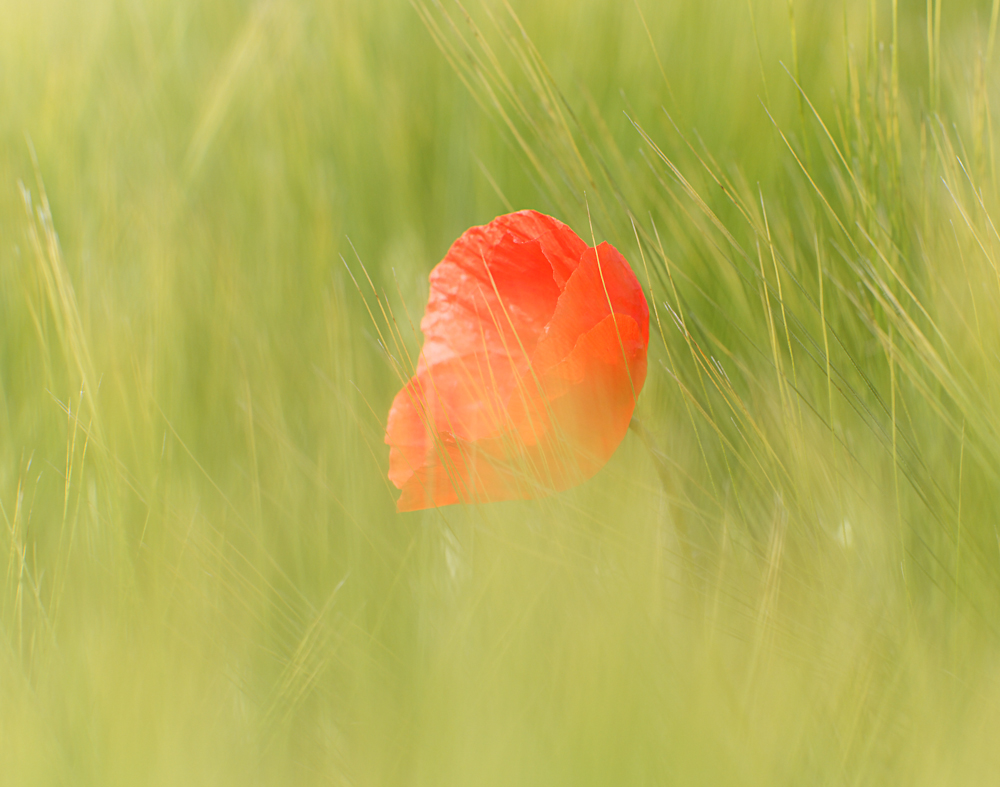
(793, 579)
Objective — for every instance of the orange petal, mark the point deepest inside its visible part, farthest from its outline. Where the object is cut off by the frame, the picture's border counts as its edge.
(602, 276)
(561, 245)
(495, 300)
(458, 401)
(534, 352)
(586, 401)
(481, 472)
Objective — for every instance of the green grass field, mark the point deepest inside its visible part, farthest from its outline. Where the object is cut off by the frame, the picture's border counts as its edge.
(797, 582)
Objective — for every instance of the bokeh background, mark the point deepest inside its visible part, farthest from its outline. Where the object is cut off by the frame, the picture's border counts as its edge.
(211, 211)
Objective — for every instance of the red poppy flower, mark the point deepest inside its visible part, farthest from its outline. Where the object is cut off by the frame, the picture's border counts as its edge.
(534, 354)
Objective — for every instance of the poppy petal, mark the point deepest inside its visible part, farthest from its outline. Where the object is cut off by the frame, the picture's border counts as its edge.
(587, 399)
(464, 396)
(465, 472)
(602, 276)
(604, 386)
(497, 300)
(522, 277)
(534, 354)
(561, 245)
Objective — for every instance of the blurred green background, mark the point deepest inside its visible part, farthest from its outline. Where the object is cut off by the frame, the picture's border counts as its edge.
(795, 582)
